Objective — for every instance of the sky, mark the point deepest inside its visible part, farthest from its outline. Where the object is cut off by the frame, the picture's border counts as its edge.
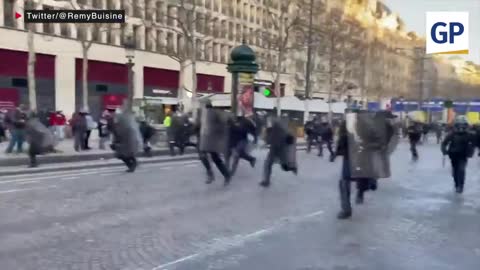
(413, 14)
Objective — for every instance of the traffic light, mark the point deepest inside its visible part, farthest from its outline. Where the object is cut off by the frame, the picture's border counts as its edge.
(267, 92)
(448, 104)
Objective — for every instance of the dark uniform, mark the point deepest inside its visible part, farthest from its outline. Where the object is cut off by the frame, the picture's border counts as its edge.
(414, 136)
(147, 132)
(40, 139)
(282, 149)
(213, 141)
(367, 155)
(459, 146)
(309, 128)
(239, 130)
(326, 137)
(127, 139)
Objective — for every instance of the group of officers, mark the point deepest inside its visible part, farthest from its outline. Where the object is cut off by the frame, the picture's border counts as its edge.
(364, 139)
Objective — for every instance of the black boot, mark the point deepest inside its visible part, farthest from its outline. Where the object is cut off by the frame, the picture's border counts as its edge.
(344, 189)
(210, 178)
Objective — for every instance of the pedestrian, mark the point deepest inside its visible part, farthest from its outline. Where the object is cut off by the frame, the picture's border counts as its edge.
(16, 121)
(91, 125)
(459, 146)
(311, 134)
(60, 122)
(425, 131)
(39, 137)
(127, 139)
(240, 128)
(213, 141)
(103, 130)
(326, 137)
(282, 149)
(414, 132)
(79, 129)
(366, 141)
(167, 123)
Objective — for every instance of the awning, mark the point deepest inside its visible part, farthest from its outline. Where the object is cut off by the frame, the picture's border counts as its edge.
(262, 102)
(317, 105)
(339, 107)
(292, 103)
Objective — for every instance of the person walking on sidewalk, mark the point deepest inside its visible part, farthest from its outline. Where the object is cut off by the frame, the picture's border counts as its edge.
(103, 130)
(16, 121)
(79, 129)
(91, 125)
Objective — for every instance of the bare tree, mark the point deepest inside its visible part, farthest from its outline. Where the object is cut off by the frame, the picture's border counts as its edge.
(182, 18)
(343, 50)
(282, 23)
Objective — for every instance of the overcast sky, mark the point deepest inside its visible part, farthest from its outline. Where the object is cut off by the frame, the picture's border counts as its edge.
(413, 14)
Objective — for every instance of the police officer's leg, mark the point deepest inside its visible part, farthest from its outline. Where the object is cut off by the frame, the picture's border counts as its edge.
(362, 187)
(267, 168)
(462, 164)
(454, 162)
(344, 191)
(221, 166)
(33, 157)
(171, 147)
(309, 144)
(330, 149)
(320, 147)
(242, 153)
(206, 163)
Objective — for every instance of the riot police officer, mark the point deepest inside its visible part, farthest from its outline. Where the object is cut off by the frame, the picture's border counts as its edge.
(414, 132)
(282, 149)
(376, 142)
(459, 146)
(127, 139)
(326, 137)
(240, 127)
(212, 141)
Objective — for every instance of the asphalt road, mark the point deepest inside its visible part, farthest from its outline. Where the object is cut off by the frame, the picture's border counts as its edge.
(165, 217)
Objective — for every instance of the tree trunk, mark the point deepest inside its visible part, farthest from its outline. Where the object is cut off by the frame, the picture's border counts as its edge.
(181, 95)
(278, 92)
(85, 77)
(32, 94)
(193, 55)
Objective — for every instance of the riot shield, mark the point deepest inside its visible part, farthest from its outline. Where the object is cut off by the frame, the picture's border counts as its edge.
(214, 131)
(128, 139)
(39, 137)
(369, 144)
(282, 142)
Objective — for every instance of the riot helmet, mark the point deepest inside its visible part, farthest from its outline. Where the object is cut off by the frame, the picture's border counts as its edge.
(461, 124)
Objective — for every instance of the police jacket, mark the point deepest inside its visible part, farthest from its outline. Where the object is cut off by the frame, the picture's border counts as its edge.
(459, 144)
(240, 129)
(309, 129)
(414, 133)
(326, 132)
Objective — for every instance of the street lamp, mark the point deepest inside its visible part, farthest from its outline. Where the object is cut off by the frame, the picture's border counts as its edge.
(129, 45)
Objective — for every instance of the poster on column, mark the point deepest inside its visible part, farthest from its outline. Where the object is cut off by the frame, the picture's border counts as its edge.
(245, 94)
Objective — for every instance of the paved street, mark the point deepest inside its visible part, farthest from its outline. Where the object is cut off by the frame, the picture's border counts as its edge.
(165, 217)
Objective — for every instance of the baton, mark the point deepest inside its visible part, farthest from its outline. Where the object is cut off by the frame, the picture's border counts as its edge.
(443, 161)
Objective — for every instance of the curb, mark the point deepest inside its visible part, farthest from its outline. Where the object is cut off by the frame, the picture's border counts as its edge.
(112, 162)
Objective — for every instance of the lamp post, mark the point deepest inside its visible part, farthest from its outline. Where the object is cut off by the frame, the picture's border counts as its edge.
(129, 45)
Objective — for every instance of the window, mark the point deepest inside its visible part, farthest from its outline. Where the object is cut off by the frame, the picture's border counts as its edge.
(8, 13)
(160, 16)
(97, 4)
(239, 9)
(48, 28)
(17, 82)
(161, 41)
(170, 43)
(199, 24)
(231, 30)
(180, 45)
(150, 36)
(65, 29)
(101, 88)
(216, 55)
(199, 49)
(171, 14)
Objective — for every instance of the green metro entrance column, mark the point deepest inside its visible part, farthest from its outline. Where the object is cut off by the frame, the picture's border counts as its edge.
(243, 68)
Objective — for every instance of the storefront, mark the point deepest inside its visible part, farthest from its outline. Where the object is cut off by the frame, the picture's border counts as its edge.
(210, 84)
(14, 79)
(160, 93)
(107, 85)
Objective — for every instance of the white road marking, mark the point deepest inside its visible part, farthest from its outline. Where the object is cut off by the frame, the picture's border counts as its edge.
(84, 172)
(241, 239)
(27, 182)
(70, 178)
(25, 189)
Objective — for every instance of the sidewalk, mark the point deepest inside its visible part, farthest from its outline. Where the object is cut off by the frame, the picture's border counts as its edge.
(67, 154)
